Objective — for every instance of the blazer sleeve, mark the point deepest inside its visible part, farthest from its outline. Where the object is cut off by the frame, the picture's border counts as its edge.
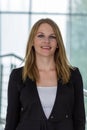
(79, 109)
(14, 106)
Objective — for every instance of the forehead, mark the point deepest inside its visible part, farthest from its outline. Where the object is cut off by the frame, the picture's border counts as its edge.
(45, 27)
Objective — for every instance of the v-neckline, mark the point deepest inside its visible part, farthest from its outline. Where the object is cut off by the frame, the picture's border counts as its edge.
(41, 108)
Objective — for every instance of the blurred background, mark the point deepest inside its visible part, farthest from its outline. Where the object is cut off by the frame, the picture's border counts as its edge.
(16, 20)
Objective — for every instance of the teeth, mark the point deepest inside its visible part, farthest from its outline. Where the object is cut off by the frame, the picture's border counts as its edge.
(46, 47)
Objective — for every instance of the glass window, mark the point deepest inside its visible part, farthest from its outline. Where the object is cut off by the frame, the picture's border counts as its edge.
(79, 6)
(79, 45)
(14, 33)
(50, 6)
(14, 5)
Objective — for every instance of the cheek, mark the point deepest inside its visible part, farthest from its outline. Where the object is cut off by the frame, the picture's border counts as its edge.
(55, 46)
(36, 43)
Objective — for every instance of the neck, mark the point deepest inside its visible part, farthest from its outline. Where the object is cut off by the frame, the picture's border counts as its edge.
(45, 63)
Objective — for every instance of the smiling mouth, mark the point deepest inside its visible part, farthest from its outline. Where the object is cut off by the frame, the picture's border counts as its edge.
(45, 47)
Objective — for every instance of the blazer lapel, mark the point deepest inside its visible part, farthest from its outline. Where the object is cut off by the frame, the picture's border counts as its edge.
(34, 98)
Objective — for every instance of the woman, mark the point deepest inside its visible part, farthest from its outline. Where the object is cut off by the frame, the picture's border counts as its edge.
(47, 92)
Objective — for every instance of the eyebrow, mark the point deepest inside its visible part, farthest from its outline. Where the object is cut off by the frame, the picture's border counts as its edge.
(43, 33)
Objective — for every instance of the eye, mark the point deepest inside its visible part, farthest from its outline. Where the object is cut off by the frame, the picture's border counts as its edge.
(40, 35)
(52, 37)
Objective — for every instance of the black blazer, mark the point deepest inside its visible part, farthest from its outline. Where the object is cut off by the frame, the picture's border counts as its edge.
(25, 112)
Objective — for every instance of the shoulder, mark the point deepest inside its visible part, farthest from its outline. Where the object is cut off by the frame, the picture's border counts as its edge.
(16, 73)
(16, 76)
(15, 79)
(75, 72)
(76, 76)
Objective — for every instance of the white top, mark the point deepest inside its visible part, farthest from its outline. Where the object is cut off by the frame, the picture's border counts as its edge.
(47, 97)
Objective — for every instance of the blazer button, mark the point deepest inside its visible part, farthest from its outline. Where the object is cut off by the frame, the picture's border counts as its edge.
(67, 116)
(52, 117)
(22, 109)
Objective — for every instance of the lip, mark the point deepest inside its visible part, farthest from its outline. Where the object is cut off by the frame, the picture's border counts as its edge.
(45, 47)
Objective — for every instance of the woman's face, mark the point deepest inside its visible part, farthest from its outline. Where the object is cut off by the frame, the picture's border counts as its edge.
(45, 42)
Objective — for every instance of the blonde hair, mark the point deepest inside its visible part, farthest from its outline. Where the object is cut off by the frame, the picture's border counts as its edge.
(62, 65)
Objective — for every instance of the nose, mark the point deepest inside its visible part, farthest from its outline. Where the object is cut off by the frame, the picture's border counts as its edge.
(46, 39)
